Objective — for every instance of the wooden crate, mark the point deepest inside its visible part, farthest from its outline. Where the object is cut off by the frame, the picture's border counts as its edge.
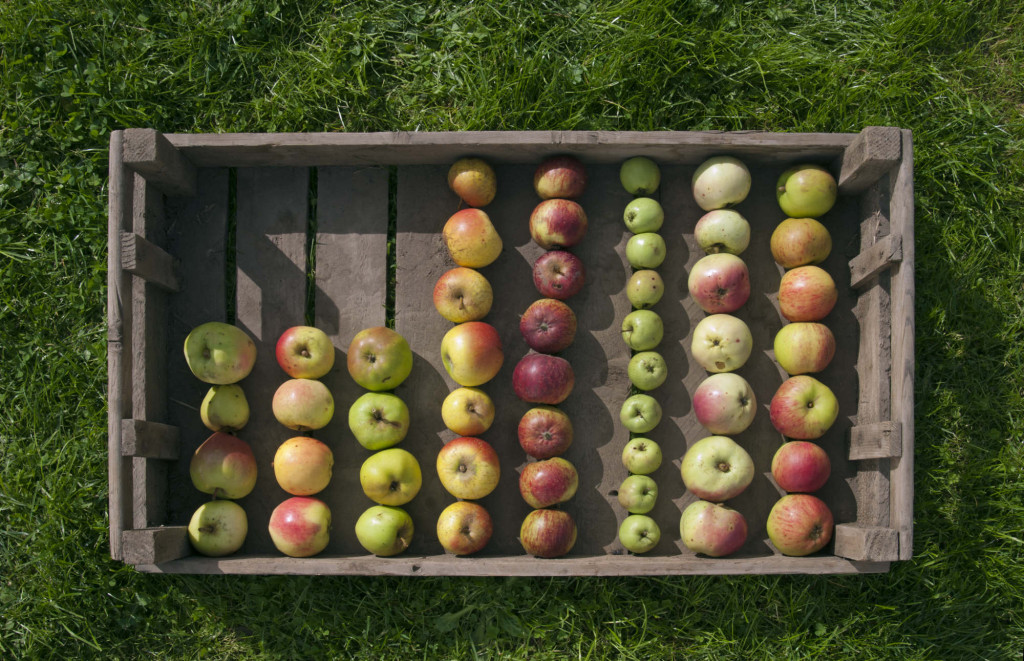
(171, 198)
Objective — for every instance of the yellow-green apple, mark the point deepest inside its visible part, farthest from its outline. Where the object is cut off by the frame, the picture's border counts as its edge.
(720, 182)
(641, 456)
(385, 531)
(804, 347)
(391, 477)
(548, 533)
(224, 408)
(378, 420)
(540, 378)
(303, 465)
(639, 533)
(545, 432)
(717, 468)
(468, 467)
(725, 403)
(463, 294)
(379, 358)
(647, 370)
(806, 191)
(712, 529)
(800, 241)
(642, 215)
(722, 230)
(464, 527)
(548, 325)
(719, 283)
(803, 408)
(472, 353)
(645, 288)
(807, 293)
(646, 250)
(560, 176)
(721, 343)
(303, 404)
(558, 274)
(218, 528)
(473, 180)
(558, 223)
(300, 527)
(642, 330)
(638, 494)
(471, 238)
(468, 411)
(801, 467)
(305, 352)
(219, 353)
(224, 467)
(800, 524)
(639, 175)
(640, 413)
(548, 482)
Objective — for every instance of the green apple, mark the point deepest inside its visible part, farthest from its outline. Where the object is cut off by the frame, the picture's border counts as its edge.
(640, 413)
(722, 230)
(391, 477)
(645, 288)
(379, 358)
(638, 494)
(643, 215)
(378, 420)
(645, 251)
(721, 343)
(224, 408)
(218, 528)
(642, 330)
(639, 533)
(641, 456)
(384, 530)
(806, 191)
(720, 182)
(219, 353)
(640, 175)
(647, 370)
(717, 468)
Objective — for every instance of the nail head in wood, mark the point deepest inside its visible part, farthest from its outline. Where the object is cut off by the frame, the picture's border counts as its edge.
(873, 543)
(151, 546)
(874, 260)
(875, 151)
(148, 261)
(876, 441)
(149, 153)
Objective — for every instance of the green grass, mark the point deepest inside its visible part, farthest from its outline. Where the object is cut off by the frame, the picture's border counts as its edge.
(953, 71)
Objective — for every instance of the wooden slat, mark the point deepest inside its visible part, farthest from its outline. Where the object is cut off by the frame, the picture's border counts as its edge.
(154, 440)
(875, 441)
(149, 153)
(150, 546)
(870, 543)
(875, 259)
(148, 261)
(875, 151)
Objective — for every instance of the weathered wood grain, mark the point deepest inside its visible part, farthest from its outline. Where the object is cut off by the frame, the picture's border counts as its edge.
(153, 440)
(875, 441)
(875, 259)
(870, 543)
(149, 153)
(875, 151)
(148, 261)
(151, 546)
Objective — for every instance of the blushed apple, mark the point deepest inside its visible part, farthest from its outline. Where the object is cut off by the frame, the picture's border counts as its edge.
(384, 530)
(471, 238)
(468, 467)
(639, 175)
(806, 191)
(218, 528)
(559, 274)
(548, 482)
(548, 325)
(641, 456)
(541, 378)
(722, 230)
(642, 330)
(645, 288)
(219, 353)
(725, 403)
(642, 215)
(224, 408)
(548, 533)
(391, 477)
(720, 182)
(473, 180)
(803, 408)
(545, 432)
(300, 527)
(379, 359)
(719, 283)
(807, 293)
(646, 251)
(638, 494)
(800, 241)
(464, 528)
(224, 466)
(468, 411)
(639, 533)
(712, 529)
(463, 294)
(801, 467)
(560, 176)
(647, 370)
(305, 352)
(303, 465)
(804, 347)
(721, 343)
(800, 524)
(378, 420)
(558, 223)
(471, 353)
(640, 413)
(717, 468)
(303, 404)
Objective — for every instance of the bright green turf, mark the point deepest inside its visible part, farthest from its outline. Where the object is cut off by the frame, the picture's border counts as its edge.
(952, 71)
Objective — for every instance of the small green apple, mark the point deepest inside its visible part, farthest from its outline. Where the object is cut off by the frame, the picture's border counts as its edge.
(218, 528)
(646, 251)
(645, 288)
(643, 215)
(641, 456)
(638, 494)
(219, 353)
(640, 175)
(647, 370)
(378, 420)
(640, 413)
(642, 330)
(224, 408)
(639, 533)
(384, 530)
(806, 191)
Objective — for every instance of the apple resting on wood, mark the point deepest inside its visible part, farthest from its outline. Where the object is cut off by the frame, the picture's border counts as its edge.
(303, 466)
(464, 527)
(543, 379)
(224, 466)
(305, 352)
(806, 191)
(473, 180)
(468, 467)
(384, 530)
(379, 359)
(218, 528)
(717, 468)
(219, 353)
(712, 529)
(558, 274)
(303, 404)
(548, 533)
(560, 176)
(548, 482)
(300, 527)
(545, 432)
(548, 326)
(720, 182)
(471, 353)
(800, 524)
(803, 408)
(225, 408)
(471, 239)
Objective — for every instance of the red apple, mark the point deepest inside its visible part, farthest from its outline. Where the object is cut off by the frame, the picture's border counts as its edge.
(548, 325)
(804, 347)
(472, 353)
(463, 294)
(468, 467)
(548, 533)
(548, 482)
(801, 467)
(558, 274)
(712, 529)
(543, 379)
(800, 524)
(305, 352)
(471, 238)
(807, 293)
(719, 283)
(560, 176)
(725, 403)
(803, 408)
(464, 527)
(300, 526)
(545, 432)
(800, 241)
(558, 224)
(224, 466)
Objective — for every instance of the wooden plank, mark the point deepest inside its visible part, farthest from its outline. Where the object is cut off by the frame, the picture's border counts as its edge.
(875, 151)
(155, 440)
(875, 441)
(870, 543)
(148, 261)
(149, 153)
(875, 259)
(149, 546)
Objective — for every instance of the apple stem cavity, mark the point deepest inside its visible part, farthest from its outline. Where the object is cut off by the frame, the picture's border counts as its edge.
(724, 466)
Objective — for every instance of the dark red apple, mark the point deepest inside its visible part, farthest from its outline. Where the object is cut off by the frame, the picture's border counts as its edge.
(548, 325)
(548, 482)
(545, 432)
(548, 533)
(800, 467)
(560, 176)
(543, 379)
(558, 274)
(558, 223)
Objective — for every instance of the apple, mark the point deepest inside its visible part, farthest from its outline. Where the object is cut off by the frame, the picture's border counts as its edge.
(545, 432)
(721, 343)
(391, 477)
(638, 494)
(716, 468)
(641, 456)
(385, 531)
(720, 182)
(800, 241)
(803, 408)
(804, 347)
(378, 420)
(807, 293)
(468, 467)
(560, 176)
(464, 527)
(379, 358)
(305, 352)
(303, 465)
(558, 274)
(801, 466)
(806, 191)
(540, 378)
(473, 180)
(224, 466)
(218, 528)
(224, 408)
(548, 533)
(642, 215)
(639, 533)
(548, 325)
(219, 353)
(303, 404)
(463, 294)
(468, 411)
(640, 175)
(300, 526)
(712, 529)
(645, 288)
(800, 524)
(640, 413)
(642, 330)
(722, 230)
(471, 238)
(719, 283)
(472, 353)
(647, 370)
(645, 251)
(548, 482)
(558, 223)
(725, 403)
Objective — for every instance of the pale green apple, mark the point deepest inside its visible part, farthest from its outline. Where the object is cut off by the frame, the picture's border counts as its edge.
(379, 420)
(638, 494)
(645, 288)
(218, 528)
(647, 370)
(640, 175)
(640, 413)
(219, 353)
(646, 251)
(643, 215)
(391, 477)
(720, 182)
(642, 330)
(641, 456)
(639, 533)
(806, 191)
(384, 530)
(224, 408)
